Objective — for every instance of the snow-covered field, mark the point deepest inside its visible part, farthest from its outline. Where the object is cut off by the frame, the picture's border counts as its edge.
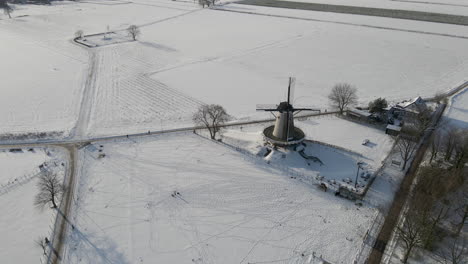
(157, 82)
(227, 208)
(457, 112)
(242, 67)
(21, 222)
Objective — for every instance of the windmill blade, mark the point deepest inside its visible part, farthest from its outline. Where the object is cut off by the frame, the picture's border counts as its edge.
(267, 107)
(306, 109)
(291, 88)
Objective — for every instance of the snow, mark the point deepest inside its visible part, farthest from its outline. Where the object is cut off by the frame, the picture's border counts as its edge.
(22, 222)
(349, 135)
(138, 86)
(181, 198)
(457, 112)
(254, 68)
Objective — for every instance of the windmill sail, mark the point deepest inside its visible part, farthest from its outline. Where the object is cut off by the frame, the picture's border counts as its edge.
(291, 88)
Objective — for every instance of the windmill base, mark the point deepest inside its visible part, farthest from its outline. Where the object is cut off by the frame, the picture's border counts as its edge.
(297, 137)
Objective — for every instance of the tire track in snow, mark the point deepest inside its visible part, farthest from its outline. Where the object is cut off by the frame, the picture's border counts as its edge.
(88, 96)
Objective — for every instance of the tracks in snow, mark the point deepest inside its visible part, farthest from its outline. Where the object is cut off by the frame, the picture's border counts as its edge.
(87, 99)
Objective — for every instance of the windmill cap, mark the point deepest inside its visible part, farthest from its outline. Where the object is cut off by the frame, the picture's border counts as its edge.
(284, 106)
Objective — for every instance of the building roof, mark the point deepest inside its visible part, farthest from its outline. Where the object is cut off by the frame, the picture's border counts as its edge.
(393, 127)
(405, 104)
(359, 112)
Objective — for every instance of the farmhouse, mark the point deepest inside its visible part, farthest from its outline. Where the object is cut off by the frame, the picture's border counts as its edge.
(407, 109)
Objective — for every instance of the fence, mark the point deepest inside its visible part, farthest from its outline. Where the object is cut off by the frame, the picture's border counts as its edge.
(369, 239)
(17, 182)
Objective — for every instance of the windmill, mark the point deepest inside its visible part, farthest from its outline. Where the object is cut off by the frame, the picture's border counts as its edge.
(284, 133)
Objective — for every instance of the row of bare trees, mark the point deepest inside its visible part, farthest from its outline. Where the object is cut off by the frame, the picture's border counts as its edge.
(429, 207)
(440, 196)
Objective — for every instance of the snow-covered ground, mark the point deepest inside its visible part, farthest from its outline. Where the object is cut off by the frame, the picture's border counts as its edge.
(457, 112)
(338, 156)
(157, 82)
(242, 67)
(181, 198)
(21, 222)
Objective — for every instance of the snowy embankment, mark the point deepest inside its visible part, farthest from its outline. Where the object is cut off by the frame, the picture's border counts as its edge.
(22, 222)
(183, 199)
(457, 112)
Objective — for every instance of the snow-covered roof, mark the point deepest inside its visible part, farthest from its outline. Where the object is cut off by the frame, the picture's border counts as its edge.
(405, 104)
(393, 127)
(360, 112)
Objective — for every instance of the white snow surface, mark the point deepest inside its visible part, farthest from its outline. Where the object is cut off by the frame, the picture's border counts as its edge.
(177, 64)
(252, 57)
(21, 222)
(227, 208)
(349, 135)
(457, 112)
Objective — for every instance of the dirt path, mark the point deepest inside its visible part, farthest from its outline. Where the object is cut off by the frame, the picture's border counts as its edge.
(87, 99)
(62, 222)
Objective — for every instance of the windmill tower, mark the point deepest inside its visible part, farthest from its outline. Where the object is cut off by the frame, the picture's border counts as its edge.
(284, 133)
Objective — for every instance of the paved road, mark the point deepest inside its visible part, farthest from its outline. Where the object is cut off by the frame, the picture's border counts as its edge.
(367, 11)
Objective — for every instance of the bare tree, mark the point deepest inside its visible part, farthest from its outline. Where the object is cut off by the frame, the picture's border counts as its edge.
(461, 149)
(406, 147)
(7, 9)
(133, 31)
(79, 34)
(50, 190)
(42, 244)
(212, 117)
(423, 119)
(436, 145)
(342, 95)
(457, 252)
(450, 137)
(203, 3)
(462, 211)
(410, 232)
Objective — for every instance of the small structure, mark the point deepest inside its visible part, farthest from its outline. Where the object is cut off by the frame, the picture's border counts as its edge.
(284, 133)
(359, 114)
(393, 130)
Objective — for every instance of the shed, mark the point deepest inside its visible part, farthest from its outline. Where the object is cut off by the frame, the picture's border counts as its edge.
(360, 114)
(393, 130)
